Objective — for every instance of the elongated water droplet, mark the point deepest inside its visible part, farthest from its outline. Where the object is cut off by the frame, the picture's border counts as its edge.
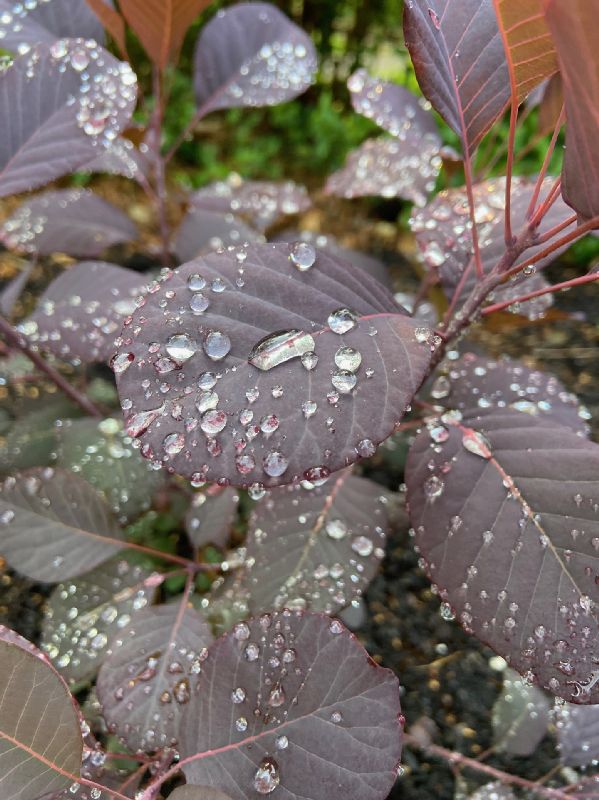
(477, 444)
(276, 348)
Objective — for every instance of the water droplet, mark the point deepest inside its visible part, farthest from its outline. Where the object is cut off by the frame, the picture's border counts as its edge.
(477, 444)
(336, 529)
(309, 360)
(344, 381)
(342, 320)
(275, 463)
(121, 362)
(348, 359)
(241, 724)
(302, 255)
(216, 345)
(196, 283)
(282, 743)
(267, 776)
(173, 443)
(181, 347)
(213, 422)
(433, 487)
(365, 448)
(362, 545)
(279, 347)
(199, 303)
(238, 695)
(276, 697)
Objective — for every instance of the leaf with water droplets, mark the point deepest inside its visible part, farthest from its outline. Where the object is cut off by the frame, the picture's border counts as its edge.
(75, 98)
(72, 221)
(317, 549)
(121, 157)
(190, 792)
(29, 23)
(211, 515)
(40, 739)
(10, 294)
(144, 684)
(493, 791)
(509, 532)
(251, 54)
(520, 716)
(460, 63)
(54, 525)
(204, 411)
(85, 613)
(203, 230)
(261, 203)
(577, 734)
(81, 312)
(316, 710)
(476, 382)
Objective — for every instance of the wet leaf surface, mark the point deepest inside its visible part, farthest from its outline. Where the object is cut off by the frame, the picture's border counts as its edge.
(577, 734)
(520, 716)
(203, 230)
(28, 24)
(121, 157)
(210, 517)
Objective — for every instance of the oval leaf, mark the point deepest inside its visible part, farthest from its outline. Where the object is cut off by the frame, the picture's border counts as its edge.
(40, 738)
(251, 54)
(301, 690)
(54, 525)
(23, 25)
(73, 221)
(85, 613)
(74, 99)
(506, 518)
(460, 63)
(81, 313)
(577, 734)
(144, 683)
(122, 157)
(259, 413)
(210, 517)
(520, 716)
(202, 231)
(10, 294)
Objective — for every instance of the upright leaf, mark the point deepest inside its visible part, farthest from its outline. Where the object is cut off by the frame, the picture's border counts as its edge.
(529, 48)
(40, 739)
(144, 684)
(211, 515)
(576, 37)
(520, 716)
(202, 231)
(122, 157)
(504, 506)
(23, 25)
(54, 525)
(319, 714)
(255, 367)
(251, 54)
(112, 21)
(577, 734)
(72, 221)
(74, 99)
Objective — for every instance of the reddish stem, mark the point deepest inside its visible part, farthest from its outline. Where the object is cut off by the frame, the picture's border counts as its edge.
(552, 232)
(542, 210)
(545, 166)
(558, 287)
(470, 192)
(510, 162)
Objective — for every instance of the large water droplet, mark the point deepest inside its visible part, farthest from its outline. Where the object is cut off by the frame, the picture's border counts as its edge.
(346, 358)
(276, 348)
(267, 776)
(477, 444)
(344, 381)
(181, 347)
(342, 320)
(275, 463)
(216, 345)
(302, 255)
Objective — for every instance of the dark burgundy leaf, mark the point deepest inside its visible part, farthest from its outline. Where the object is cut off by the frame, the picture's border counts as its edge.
(202, 231)
(224, 394)
(551, 104)
(317, 549)
(389, 168)
(477, 382)
(262, 203)
(197, 793)
(74, 99)
(443, 233)
(520, 716)
(80, 314)
(577, 734)
(144, 683)
(85, 613)
(40, 739)
(211, 515)
(460, 63)
(73, 221)
(317, 711)
(11, 293)
(576, 38)
(251, 54)
(505, 511)
(25, 24)
(54, 525)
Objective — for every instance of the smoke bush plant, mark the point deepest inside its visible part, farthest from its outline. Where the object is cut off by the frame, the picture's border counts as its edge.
(261, 372)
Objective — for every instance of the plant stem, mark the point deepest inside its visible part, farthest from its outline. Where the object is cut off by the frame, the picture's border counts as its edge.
(470, 192)
(187, 131)
(552, 196)
(20, 343)
(545, 166)
(510, 161)
(159, 167)
(548, 290)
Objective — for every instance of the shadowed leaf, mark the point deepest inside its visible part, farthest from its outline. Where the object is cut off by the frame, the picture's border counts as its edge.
(505, 514)
(210, 517)
(72, 221)
(27, 24)
(144, 683)
(520, 716)
(55, 525)
(550, 106)
(74, 99)
(224, 393)
(577, 734)
(9, 296)
(202, 231)
(251, 54)
(85, 613)
(111, 20)
(460, 63)
(316, 710)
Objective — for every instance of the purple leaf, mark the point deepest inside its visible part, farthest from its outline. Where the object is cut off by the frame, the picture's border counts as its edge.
(25, 24)
(520, 716)
(320, 715)
(210, 517)
(577, 734)
(389, 168)
(84, 614)
(443, 233)
(144, 684)
(202, 231)
(80, 314)
(55, 525)
(197, 793)
(224, 394)
(504, 508)
(520, 285)
(121, 157)
(321, 558)
(40, 739)
(72, 221)
(493, 791)
(251, 54)
(12, 291)
(460, 63)
(74, 99)
(477, 382)
(262, 203)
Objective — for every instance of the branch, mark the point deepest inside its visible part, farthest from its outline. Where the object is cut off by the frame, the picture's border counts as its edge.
(545, 166)
(558, 287)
